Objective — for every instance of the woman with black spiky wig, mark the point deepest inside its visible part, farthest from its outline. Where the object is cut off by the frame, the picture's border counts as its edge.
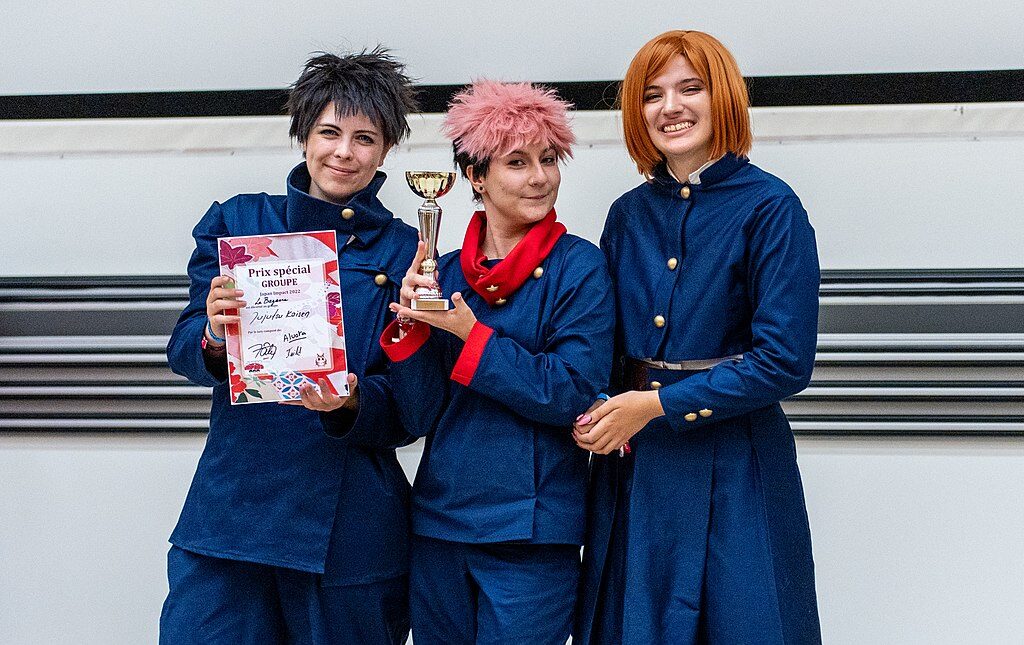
(295, 528)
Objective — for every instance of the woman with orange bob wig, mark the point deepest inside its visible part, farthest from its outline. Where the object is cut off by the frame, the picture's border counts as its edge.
(698, 530)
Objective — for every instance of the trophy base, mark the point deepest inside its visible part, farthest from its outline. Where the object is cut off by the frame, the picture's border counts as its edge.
(430, 304)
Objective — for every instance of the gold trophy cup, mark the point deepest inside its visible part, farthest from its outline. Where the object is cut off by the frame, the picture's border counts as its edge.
(429, 185)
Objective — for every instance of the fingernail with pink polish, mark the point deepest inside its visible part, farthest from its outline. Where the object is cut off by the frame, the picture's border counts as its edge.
(585, 420)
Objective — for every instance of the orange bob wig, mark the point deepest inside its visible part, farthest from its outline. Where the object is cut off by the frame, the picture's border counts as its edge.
(730, 119)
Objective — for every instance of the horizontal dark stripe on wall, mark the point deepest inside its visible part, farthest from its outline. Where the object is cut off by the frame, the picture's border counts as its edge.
(131, 105)
(888, 89)
(952, 282)
(765, 91)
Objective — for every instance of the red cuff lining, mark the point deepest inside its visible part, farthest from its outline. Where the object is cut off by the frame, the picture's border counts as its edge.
(410, 343)
(472, 352)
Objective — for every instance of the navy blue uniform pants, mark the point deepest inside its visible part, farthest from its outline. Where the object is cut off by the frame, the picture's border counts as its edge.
(492, 593)
(215, 600)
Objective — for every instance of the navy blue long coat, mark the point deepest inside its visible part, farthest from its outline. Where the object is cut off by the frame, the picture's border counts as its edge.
(272, 486)
(702, 533)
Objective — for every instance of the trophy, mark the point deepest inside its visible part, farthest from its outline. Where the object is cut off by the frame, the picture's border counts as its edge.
(429, 185)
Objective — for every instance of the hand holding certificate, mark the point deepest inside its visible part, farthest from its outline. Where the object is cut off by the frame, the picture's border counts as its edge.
(290, 332)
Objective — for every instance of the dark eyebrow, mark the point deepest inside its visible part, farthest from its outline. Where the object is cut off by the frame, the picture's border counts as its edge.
(331, 124)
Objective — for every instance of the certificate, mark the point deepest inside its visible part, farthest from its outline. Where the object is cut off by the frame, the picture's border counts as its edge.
(291, 330)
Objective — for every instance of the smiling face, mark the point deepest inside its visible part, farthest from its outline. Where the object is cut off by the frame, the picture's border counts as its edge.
(677, 111)
(521, 187)
(342, 155)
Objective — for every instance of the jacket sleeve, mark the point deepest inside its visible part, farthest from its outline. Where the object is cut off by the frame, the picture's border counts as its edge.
(555, 385)
(185, 354)
(417, 376)
(783, 277)
(375, 424)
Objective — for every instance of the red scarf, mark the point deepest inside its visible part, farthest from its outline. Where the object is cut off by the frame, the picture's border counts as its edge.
(503, 279)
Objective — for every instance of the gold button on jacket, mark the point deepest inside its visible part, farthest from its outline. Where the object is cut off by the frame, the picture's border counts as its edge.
(691, 416)
(500, 301)
(655, 385)
(684, 192)
(538, 272)
(659, 321)
(672, 264)
(380, 279)
(348, 213)
(705, 413)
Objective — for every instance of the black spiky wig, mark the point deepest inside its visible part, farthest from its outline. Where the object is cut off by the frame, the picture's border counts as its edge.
(373, 83)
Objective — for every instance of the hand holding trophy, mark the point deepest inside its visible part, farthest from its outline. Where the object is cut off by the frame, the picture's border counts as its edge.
(429, 185)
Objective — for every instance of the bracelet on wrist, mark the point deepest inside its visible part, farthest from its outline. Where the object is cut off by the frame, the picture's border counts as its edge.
(214, 337)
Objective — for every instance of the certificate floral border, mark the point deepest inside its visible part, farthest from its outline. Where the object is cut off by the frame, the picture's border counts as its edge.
(249, 383)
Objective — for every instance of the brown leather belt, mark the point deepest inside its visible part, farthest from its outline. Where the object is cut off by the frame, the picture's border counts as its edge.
(636, 371)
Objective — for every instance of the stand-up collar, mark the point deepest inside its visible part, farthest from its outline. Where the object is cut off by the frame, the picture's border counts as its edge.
(708, 175)
(367, 219)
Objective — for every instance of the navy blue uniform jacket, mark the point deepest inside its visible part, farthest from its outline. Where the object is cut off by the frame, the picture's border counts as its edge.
(271, 486)
(723, 267)
(500, 463)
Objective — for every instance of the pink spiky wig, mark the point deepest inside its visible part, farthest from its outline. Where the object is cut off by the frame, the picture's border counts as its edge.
(492, 119)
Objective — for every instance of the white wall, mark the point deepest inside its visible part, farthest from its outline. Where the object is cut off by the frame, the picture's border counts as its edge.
(888, 187)
(915, 541)
(54, 46)
(885, 186)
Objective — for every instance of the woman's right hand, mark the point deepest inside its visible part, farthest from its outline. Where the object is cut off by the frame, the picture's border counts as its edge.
(413, 278)
(612, 425)
(219, 300)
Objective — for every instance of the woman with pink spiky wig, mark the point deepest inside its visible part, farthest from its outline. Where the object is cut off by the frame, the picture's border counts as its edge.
(495, 384)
